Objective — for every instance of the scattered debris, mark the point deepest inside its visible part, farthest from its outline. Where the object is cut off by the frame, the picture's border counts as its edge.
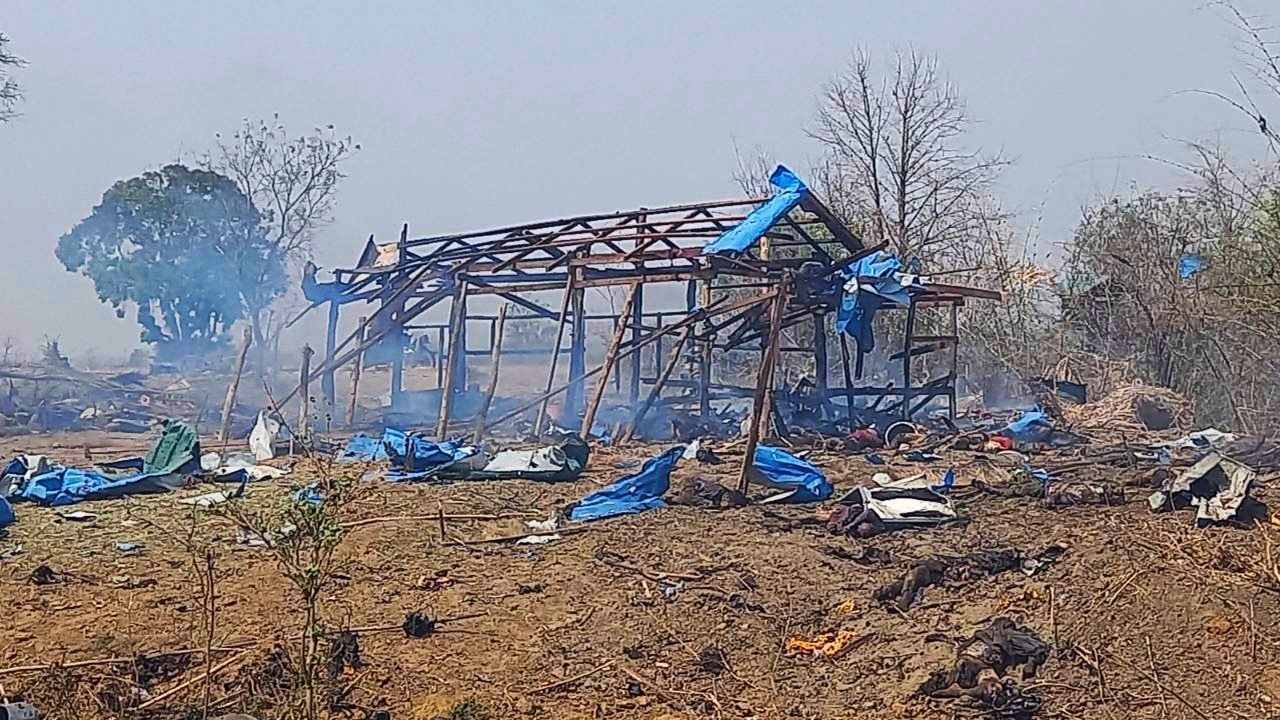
(981, 665)
(1217, 486)
(939, 569)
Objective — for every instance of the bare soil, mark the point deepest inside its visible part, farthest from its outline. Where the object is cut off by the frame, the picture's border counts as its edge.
(1149, 617)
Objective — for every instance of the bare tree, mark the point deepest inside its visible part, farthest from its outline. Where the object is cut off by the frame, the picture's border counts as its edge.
(292, 180)
(896, 145)
(10, 93)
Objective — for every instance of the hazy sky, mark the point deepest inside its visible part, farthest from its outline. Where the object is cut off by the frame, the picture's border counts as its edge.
(475, 114)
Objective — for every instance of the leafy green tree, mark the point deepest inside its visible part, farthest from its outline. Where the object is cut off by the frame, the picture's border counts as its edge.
(185, 246)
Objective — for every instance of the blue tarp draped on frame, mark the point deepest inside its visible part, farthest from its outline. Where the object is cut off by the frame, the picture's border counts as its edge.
(877, 283)
(633, 493)
(746, 233)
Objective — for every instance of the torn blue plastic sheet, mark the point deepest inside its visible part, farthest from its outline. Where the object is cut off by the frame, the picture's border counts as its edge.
(1032, 426)
(361, 447)
(6, 512)
(948, 481)
(425, 454)
(309, 495)
(784, 471)
(1189, 265)
(870, 284)
(633, 493)
(747, 233)
(65, 486)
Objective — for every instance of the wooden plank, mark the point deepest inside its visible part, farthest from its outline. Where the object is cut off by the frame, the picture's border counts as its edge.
(610, 357)
(764, 386)
(229, 402)
(658, 384)
(555, 355)
(456, 357)
(355, 378)
(495, 365)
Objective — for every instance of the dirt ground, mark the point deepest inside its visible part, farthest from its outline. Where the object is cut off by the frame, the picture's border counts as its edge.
(675, 613)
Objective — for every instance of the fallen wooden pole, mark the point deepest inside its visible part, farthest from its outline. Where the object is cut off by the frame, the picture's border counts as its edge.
(436, 516)
(119, 660)
(355, 376)
(229, 403)
(555, 355)
(610, 359)
(658, 385)
(457, 356)
(188, 683)
(495, 363)
(764, 385)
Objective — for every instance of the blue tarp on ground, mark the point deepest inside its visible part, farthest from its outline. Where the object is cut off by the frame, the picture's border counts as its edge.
(1189, 265)
(784, 471)
(877, 284)
(633, 493)
(361, 447)
(6, 512)
(1032, 426)
(426, 454)
(65, 486)
(746, 233)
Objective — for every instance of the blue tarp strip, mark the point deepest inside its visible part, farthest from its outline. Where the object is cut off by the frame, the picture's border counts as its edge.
(1189, 265)
(633, 493)
(65, 486)
(746, 233)
(785, 471)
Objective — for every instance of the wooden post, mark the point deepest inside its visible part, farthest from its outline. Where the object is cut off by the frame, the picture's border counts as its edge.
(396, 319)
(355, 377)
(764, 385)
(610, 356)
(229, 403)
(495, 362)
(328, 382)
(555, 355)
(440, 341)
(955, 361)
(848, 377)
(577, 353)
(301, 432)
(457, 319)
(908, 339)
(658, 384)
(704, 355)
(820, 367)
(637, 325)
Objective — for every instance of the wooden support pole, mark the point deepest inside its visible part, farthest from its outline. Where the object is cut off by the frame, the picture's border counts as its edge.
(820, 367)
(328, 382)
(457, 320)
(229, 403)
(355, 378)
(637, 322)
(495, 364)
(764, 386)
(397, 323)
(555, 356)
(659, 383)
(577, 351)
(610, 357)
(955, 362)
(848, 377)
(301, 432)
(909, 338)
(704, 355)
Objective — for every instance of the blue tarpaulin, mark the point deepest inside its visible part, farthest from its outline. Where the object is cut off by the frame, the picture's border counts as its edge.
(785, 471)
(65, 486)
(1189, 265)
(877, 283)
(362, 447)
(746, 233)
(395, 445)
(1032, 426)
(633, 493)
(6, 512)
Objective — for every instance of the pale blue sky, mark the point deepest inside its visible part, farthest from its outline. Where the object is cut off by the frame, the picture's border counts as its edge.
(481, 113)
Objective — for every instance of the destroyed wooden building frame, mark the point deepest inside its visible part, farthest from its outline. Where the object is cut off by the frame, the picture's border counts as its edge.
(788, 252)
